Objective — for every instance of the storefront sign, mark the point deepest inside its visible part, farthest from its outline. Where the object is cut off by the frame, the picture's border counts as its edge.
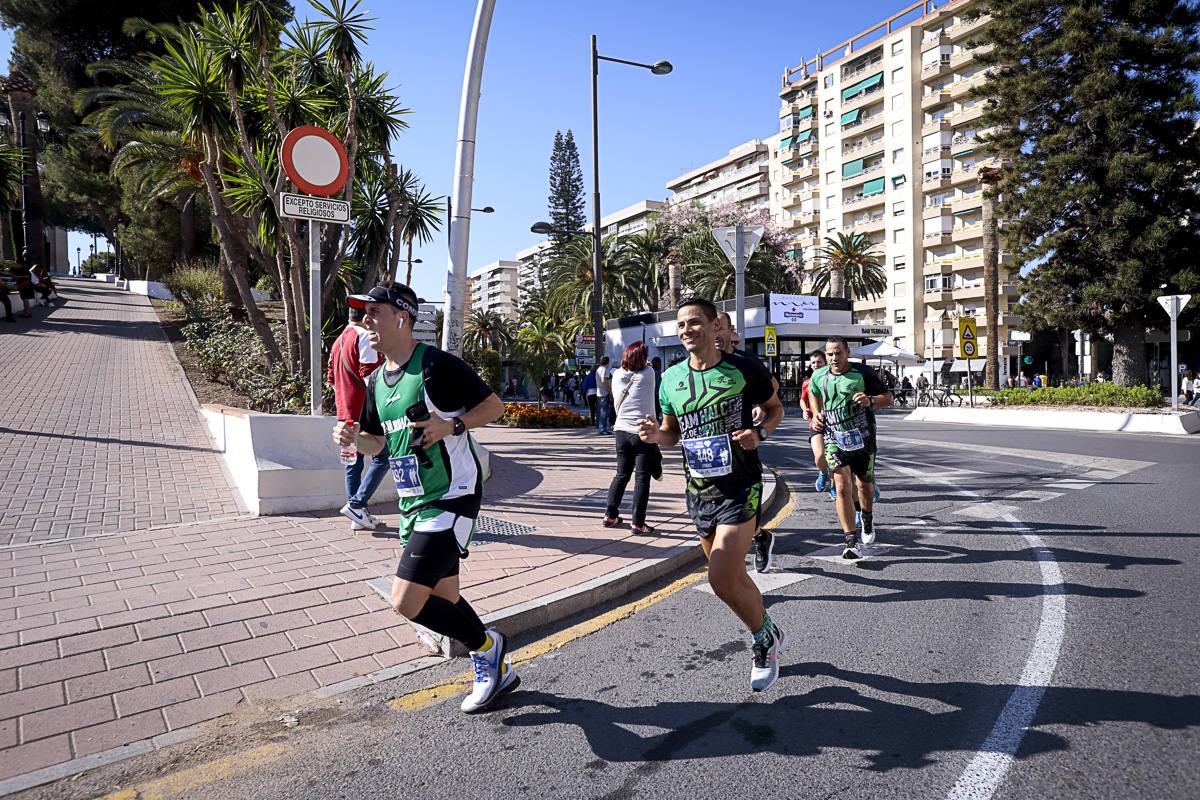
(796, 308)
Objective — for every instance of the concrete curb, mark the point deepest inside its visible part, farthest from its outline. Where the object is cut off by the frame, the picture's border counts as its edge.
(1169, 423)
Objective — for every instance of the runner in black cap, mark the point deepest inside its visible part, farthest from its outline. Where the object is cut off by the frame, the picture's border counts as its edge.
(419, 406)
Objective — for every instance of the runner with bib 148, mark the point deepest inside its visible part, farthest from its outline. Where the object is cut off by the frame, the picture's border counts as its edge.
(707, 402)
(845, 397)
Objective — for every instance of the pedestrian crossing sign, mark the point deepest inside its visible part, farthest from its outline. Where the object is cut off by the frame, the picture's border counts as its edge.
(968, 341)
(772, 342)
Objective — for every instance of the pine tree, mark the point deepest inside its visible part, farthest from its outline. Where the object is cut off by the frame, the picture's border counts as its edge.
(1097, 114)
(566, 203)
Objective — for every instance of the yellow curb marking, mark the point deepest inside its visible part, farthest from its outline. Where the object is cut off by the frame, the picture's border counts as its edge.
(786, 509)
(199, 776)
(461, 683)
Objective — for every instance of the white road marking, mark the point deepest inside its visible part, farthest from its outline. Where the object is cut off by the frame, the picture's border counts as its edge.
(765, 581)
(987, 769)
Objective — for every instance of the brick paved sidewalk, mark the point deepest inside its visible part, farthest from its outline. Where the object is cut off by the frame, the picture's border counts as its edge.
(118, 634)
(98, 430)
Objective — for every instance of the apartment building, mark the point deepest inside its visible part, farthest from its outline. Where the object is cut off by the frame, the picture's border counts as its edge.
(878, 137)
(742, 177)
(493, 289)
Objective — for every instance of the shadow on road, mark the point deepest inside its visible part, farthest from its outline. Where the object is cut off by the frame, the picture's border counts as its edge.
(847, 715)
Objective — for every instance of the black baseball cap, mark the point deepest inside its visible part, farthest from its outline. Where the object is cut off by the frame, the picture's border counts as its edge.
(399, 296)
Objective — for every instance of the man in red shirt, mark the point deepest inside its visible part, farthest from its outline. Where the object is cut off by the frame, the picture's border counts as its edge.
(351, 361)
(816, 360)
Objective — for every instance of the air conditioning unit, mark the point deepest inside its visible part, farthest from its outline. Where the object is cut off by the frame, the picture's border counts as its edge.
(828, 112)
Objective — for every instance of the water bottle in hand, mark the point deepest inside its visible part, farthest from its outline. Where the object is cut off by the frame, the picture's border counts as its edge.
(350, 451)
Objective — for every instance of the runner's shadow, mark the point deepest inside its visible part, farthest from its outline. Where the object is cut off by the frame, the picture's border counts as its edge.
(923, 591)
(932, 553)
(843, 710)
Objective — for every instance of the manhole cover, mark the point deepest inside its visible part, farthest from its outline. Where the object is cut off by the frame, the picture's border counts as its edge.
(491, 529)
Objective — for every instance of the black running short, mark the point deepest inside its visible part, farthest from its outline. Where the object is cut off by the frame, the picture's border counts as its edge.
(429, 557)
(812, 433)
(860, 462)
(732, 510)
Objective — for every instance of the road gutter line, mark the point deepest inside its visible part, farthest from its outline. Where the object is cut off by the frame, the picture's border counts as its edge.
(996, 755)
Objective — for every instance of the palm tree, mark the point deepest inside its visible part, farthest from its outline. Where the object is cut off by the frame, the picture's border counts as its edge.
(542, 347)
(570, 279)
(647, 259)
(423, 218)
(486, 330)
(849, 262)
(708, 273)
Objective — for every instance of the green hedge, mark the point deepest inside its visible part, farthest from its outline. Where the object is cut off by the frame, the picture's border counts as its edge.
(1094, 394)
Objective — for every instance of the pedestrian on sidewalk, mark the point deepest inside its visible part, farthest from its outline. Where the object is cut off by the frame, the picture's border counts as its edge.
(8, 315)
(589, 390)
(419, 407)
(351, 362)
(604, 398)
(1187, 387)
(633, 385)
(24, 289)
(706, 402)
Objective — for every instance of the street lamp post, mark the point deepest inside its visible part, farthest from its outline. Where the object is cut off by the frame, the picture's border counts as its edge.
(78, 261)
(658, 68)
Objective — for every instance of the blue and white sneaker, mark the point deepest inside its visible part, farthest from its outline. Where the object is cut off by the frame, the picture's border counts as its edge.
(876, 500)
(832, 491)
(858, 519)
(360, 520)
(823, 483)
(493, 675)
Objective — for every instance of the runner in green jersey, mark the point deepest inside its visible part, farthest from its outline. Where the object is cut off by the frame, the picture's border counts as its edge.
(706, 403)
(845, 397)
(419, 406)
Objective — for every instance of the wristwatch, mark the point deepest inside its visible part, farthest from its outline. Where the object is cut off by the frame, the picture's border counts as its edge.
(459, 426)
(762, 432)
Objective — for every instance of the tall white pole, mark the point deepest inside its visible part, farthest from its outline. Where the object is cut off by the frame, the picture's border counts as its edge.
(739, 278)
(464, 171)
(316, 396)
(1175, 383)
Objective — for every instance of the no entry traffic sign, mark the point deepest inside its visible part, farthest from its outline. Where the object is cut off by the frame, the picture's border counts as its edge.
(315, 160)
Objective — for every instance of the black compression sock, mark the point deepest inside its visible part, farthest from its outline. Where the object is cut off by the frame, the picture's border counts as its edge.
(465, 607)
(857, 505)
(442, 616)
(868, 522)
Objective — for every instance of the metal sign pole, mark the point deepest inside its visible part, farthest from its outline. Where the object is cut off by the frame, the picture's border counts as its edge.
(970, 383)
(1174, 381)
(739, 272)
(314, 317)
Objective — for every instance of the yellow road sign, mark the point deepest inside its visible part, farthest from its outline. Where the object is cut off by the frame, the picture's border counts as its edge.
(968, 340)
(772, 342)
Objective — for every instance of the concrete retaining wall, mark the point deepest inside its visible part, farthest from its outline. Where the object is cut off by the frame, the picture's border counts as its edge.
(161, 292)
(284, 463)
(1163, 422)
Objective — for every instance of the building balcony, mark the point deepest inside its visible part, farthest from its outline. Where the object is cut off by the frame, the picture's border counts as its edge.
(861, 145)
(974, 261)
(931, 71)
(861, 99)
(862, 68)
(964, 29)
(939, 267)
(960, 88)
(797, 151)
(870, 304)
(969, 291)
(796, 125)
(965, 115)
(937, 295)
(866, 123)
(966, 203)
(806, 218)
(933, 182)
(863, 176)
(934, 99)
(749, 192)
(933, 212)
(967, 233)
(871, 225)
(706, 185)
(863, 201)
(802, 173)
(935, 153)
(964, 57)
(932, 41)
(936, 126)
(936, 239)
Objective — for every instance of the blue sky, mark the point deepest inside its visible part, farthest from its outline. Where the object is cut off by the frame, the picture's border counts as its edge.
(728, 59)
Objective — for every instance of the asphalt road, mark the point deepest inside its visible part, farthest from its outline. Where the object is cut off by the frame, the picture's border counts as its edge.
(1027, 626)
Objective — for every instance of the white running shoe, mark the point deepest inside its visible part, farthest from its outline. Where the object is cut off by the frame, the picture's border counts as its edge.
(360, 520)
(493, 676)
(867, 537)
(854, 550)
(765, 670)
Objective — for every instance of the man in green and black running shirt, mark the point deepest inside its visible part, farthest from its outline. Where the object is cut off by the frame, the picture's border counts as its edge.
(706, 403)
(845, 397)
(419, 406)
